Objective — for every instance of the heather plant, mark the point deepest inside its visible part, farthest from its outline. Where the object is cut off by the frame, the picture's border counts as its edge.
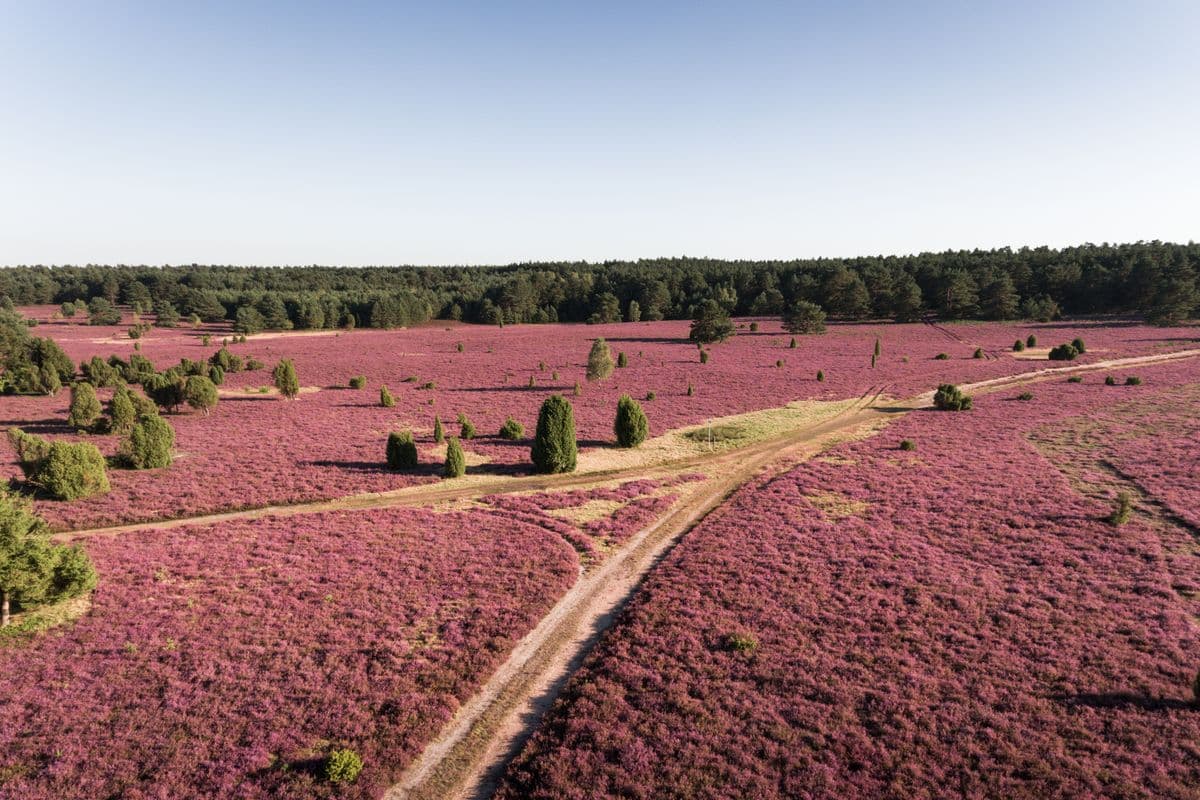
(949, 397)
(200, 393)
(343, 766)
(511, 429)
(554, 446)
(600, 362)
(1122, 509)
(149, 444)
(85, 407)
(456, 460)
(284, 376)
(1063, 352)
(33, 570)
(401, 450)
(358, 382)
(386, 398)
(630, 425)
(466, 427)
(439, 435)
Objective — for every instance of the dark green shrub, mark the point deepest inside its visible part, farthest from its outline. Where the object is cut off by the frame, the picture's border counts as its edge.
(1031, 341)
(1122, 510)
(149, 444)
(460, 347)
(578, 390)
(949, 397)
(741, 642)
(216, 375)
(200, 393)
(85, 407)
(908, 445)
(554, 446)
(122, 413)
(386, 398)
(792, 344)
(34, 570)
(1064, 352)
(511, 429)
(691, 390)
(622, 361)
(1025, 396)
(650, 395)
(710, 323)
(439, 435)
(820, 376)
(253, 365)
(226, 360)
(1133, 380)
(630, 425)
(804, 317)
(466, 427)
(1018, 346)
(456, 460)
(754, 327)
(32, 451)
(358, 382)
(401, 450)
(977, 354)
(165, 389)
(99, 372)
(703, 356)
(343, 766)
(1075, 379)
(942, 357)
(71, 471)
(532, 382)
(1109, 380)
(1077, 343)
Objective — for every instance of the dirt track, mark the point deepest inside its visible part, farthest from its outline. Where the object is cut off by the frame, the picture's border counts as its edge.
(468, 757)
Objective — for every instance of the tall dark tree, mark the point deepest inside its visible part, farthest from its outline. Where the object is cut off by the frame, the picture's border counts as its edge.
(710, 324)
(554, 446)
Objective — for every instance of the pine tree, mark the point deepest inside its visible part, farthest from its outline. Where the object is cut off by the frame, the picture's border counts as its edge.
(401, 450)
(554, 446)
(122, 413)
(149, 443)
(439, 435)
(200, 393)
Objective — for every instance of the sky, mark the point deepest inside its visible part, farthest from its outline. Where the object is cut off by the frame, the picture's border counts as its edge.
(494, 132)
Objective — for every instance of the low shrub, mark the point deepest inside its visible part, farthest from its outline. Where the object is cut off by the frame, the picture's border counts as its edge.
(622, 360)
(1063, 352)
(1031, 341)
(1018, 346)
(949, 397)
(386, 398)
(691, 390)
(1109, 380)
(1122, 509)
(1077, 343)
(630, 425)
(908, 445)
(942, 357)
(978, 353)
(401, 450)
(200, 393)
(1025, 396)
(703, 356)
(343, 766)
(72, 470)
(439, 434)
(779, 362)
(1133, 380)
(466, 427)
(650, 396)
(1075, 379)
(754, 327)
(511, 429)
(820, 376)
(456, 460)
(792, 344)
(741, 642)
(85, 407)
(358, 382)
(149, 443)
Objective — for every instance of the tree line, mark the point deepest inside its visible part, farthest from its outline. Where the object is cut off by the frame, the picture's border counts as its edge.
(1155, 279)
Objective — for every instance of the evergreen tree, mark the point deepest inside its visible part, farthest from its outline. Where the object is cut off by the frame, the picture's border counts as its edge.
(600, 362)
(386, 398)
(630, 425)
(122, 413)
(401, 450)
(554, 446)
(804, 317)
(710, 324)
(200, 393)
(439, 435)
(149, 443)
(456, 460)
(85, 407)
(285, 379)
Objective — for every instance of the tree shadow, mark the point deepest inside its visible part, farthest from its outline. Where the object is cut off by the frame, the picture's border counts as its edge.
(38, 426)
(1126, 700)
(373, 467)
(512, 388)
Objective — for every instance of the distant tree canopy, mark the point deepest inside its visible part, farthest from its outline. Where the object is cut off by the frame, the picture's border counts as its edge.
(1156, 279)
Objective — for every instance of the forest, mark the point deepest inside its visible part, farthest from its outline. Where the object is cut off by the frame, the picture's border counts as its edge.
(1154, 279)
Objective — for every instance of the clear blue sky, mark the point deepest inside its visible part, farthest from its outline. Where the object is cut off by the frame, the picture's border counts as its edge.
(368, 133)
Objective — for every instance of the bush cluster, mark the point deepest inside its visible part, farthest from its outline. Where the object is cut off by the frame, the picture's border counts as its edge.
(949, 397)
